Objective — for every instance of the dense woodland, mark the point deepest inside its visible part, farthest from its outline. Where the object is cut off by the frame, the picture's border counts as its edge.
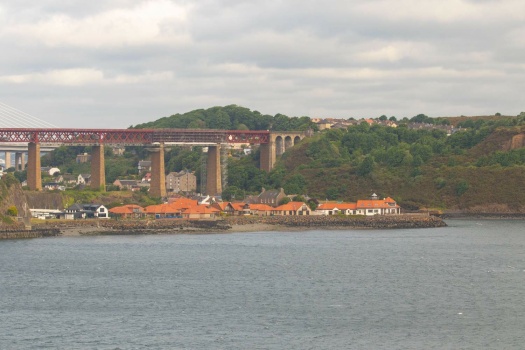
(423, 168)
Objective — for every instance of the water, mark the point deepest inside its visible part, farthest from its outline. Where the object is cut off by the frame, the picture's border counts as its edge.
(460, 287)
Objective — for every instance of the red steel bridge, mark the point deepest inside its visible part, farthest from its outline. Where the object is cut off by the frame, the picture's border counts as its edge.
(72, 137)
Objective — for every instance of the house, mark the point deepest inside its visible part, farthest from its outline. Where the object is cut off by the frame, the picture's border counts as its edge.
(334, 208)
(224, 207)
(240, 208)
(183, 181)
(52, 186)
(131, 185)
(83, 158)
(293, 208)
(260, 209)
(84, 179)
(270, 197)
(144, 165)
(66, 179)
(85, 211)
(375, 206)
(128, 211)
(147, 178)
(200, 212)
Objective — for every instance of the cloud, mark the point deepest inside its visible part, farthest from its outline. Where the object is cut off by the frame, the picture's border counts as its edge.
(84, 76)
(154, 22)
(137, 60)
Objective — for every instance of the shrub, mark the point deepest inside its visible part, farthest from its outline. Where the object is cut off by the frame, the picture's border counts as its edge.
(12, 211)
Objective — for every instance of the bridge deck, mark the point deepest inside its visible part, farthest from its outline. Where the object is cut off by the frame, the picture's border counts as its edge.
(130, 136)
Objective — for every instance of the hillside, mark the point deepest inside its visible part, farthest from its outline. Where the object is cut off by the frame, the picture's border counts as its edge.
(479, 167)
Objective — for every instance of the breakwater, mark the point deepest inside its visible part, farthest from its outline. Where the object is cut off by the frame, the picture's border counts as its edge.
(239, 223)
(37, 233)
(336, 221)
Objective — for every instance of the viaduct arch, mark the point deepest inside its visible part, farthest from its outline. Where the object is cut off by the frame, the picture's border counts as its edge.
(278, 143)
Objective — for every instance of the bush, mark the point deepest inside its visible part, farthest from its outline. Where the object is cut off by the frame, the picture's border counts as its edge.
(461, 187)
(12, 211)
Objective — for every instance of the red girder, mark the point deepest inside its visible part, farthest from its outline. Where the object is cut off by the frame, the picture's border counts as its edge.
(131, 136)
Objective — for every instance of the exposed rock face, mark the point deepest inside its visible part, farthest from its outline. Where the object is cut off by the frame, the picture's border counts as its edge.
(518, 141)
(14, 196)
(45, 200)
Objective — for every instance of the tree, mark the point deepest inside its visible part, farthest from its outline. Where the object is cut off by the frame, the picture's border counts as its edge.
(366, 166)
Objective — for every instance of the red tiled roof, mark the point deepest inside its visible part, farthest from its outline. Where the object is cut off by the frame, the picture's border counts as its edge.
(261, 207)
(127, 209)
(290, 206)
(201, 209)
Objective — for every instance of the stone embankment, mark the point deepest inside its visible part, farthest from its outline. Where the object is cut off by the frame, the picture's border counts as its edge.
(238, 224)
(356, 222)
(38, 233)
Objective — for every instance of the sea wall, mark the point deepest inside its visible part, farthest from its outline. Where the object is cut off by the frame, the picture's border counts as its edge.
(228, 224)
(38, 233)
(336, 221)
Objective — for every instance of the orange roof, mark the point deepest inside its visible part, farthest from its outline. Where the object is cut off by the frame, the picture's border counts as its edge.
(162, 209)
(374, 203)
(261, 207)
(334, 205)
(239, 206)
(127, 209)
(291, 206)
(201, 209)
(222, 205)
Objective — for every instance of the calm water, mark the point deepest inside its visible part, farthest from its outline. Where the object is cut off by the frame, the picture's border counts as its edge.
(460, 287)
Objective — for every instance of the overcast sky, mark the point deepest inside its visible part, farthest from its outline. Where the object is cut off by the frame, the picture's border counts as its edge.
(115, 63)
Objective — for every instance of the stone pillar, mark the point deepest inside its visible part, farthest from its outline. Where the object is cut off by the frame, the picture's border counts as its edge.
(213, 171)
(98, 174)
(19, 161)
(158, 175)
(7, 159)
(267, 159)
(34, 172)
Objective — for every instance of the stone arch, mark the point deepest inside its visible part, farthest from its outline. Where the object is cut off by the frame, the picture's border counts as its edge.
(288, 142)
(279, 145)
(296, 140)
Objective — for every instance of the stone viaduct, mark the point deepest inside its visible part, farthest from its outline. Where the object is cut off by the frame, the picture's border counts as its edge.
(272, 145)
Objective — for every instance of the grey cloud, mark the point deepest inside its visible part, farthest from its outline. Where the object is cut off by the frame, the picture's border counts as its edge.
(337, 58)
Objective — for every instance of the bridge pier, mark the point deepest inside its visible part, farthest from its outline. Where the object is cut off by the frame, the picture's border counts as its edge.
(7, 159)
(19, 161)
(158, 175)
(267, 159)
(213, 171)
(34, 172)
(98, 174)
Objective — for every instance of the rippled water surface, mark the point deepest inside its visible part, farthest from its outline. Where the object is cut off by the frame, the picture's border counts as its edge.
(459, 287)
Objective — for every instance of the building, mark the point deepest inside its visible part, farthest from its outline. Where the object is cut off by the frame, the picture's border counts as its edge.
(85, 211)
(84, 179)
(128, 211)
(144, 165)
(184, 181)
(293, 208)
(83, 158)
(130, 185)
(270, 197)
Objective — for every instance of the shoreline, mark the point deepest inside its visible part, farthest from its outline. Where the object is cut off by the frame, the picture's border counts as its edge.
(235, 224)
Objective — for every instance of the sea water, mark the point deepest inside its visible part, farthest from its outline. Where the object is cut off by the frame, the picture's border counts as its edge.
(458, 287)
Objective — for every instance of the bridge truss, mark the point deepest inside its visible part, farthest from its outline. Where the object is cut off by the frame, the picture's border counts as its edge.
(131, 136)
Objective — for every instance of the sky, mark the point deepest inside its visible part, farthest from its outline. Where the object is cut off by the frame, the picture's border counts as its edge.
(116, 63)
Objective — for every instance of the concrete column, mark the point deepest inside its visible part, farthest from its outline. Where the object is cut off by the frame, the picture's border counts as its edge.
(19, 161)
(267, 159)
(7, 159)
(98, 175)
(158, 175)
(213, 171)
(34, 172)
